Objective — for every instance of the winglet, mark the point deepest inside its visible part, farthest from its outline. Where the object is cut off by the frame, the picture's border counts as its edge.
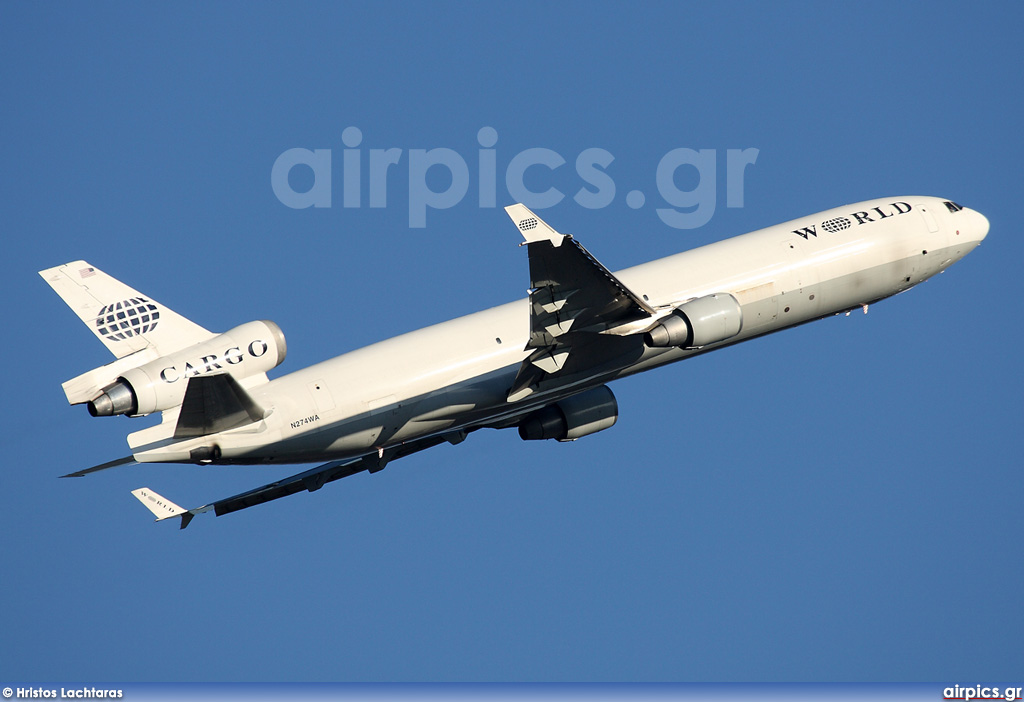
(532, 227)
(165, 509)
(158, 504)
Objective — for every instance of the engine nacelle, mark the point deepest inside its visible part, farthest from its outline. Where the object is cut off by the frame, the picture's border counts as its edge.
(246, 350)
(576, 416)
(699, 322)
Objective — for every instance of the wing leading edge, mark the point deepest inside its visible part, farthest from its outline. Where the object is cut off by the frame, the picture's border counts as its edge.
(573, 298)
(309, 480)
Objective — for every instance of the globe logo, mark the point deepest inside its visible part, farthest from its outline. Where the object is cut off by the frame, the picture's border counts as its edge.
(837, 224)
(132, 317)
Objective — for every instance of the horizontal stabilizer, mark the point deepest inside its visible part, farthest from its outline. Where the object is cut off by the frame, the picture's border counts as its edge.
(215, 403)
(126, 461)
(90, 384)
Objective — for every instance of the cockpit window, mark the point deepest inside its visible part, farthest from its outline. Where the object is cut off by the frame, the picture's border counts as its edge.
(952, 206)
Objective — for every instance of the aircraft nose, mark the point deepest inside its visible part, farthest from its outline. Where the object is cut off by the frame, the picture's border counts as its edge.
(978, 226)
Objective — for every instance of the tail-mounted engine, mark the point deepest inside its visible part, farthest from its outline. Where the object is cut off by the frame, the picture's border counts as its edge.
(705, 320)
(158, 385)
(569, 419)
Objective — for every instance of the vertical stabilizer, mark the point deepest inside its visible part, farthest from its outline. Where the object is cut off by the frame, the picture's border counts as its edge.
(123, 319)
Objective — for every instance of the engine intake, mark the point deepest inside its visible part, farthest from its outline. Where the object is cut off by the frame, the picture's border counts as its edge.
(705, 320)
(572, 418)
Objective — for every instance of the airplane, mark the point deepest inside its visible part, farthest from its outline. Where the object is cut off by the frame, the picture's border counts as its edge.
(541, 365)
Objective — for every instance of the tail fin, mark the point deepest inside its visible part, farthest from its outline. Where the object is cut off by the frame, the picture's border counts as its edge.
(123, 319)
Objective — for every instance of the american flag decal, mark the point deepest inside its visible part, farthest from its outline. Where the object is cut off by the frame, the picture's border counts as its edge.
(87, 272)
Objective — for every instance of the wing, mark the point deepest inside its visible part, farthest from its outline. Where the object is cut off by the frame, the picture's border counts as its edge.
(573, 298)
(310, 480)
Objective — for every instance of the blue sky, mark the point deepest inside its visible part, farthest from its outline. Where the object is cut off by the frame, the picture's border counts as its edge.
(838, 502)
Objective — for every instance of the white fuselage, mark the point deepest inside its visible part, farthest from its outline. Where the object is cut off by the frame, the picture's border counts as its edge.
(455, 376)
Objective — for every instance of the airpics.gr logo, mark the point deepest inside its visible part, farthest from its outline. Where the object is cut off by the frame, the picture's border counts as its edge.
(132, 317)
